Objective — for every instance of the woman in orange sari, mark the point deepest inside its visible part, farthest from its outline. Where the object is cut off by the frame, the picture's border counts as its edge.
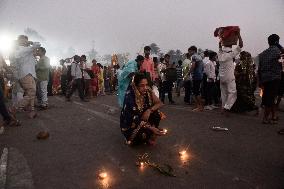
(94, 83)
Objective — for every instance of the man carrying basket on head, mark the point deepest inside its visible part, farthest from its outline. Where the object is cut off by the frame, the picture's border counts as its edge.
(229, 36)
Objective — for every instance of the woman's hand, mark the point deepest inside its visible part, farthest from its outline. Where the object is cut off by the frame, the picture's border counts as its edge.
(146, 115)
(156, 131)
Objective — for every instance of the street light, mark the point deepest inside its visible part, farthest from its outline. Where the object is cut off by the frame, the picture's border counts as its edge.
(6, 43)
(54, 61)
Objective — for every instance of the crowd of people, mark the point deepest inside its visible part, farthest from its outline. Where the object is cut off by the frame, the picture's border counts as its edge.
(227, 79)
(89, 81)
(30, 79)
(75, 74)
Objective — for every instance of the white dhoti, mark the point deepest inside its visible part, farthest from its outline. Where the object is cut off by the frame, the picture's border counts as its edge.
(226, 57)
(228, 93)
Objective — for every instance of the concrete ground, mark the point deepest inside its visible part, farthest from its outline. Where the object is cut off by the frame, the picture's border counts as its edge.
(85, 139)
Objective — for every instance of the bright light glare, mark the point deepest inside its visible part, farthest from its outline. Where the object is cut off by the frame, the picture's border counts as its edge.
(6, 43)
(54, 61)
(8, 62)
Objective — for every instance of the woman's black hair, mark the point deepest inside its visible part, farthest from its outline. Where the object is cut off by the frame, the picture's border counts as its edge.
(139, 58)
(138, 77)
(155, 59)
(212, 54)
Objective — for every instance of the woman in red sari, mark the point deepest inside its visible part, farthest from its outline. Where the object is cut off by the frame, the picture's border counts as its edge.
(94, 83)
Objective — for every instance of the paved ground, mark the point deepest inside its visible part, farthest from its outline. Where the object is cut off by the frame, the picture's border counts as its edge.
(85, 138)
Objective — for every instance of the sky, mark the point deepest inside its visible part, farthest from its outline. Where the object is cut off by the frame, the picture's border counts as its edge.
(118, 26)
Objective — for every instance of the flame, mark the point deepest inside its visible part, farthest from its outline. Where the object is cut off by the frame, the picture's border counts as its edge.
(182, 153)
(261, 93)
(103, 175)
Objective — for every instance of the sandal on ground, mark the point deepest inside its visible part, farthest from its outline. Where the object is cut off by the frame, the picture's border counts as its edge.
(266, 121)
(274, 122)
(13, 123)
(43, 107)
(197, 110)
(276, 118)
(281, 132)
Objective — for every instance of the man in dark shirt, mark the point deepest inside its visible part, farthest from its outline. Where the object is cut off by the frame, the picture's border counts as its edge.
(179, 77)
(269, 72)
(167, 80)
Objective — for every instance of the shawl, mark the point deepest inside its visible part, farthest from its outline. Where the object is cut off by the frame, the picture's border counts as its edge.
(124, 79)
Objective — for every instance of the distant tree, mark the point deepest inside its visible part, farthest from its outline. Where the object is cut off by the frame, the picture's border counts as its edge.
(161, 55)
(172, 54)
(178, 55)
(33, 34)
(154, 48)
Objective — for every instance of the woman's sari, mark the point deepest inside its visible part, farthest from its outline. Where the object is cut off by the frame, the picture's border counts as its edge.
(246, 85)
(56, 81)
(95, 81)
(134, 129)
(101, 82)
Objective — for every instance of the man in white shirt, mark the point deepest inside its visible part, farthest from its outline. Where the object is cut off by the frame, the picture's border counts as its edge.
(76, 82)
(226, 73)
(209, 70)
(26, 62)
(86, 76)
(162, 66)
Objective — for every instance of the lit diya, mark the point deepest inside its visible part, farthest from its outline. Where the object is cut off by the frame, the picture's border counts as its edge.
(141, 164)
(182, 153)
(164, 131)
(184, 156)
(102, 175)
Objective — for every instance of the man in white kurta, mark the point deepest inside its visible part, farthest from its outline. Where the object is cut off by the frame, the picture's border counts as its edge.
(226, 73)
